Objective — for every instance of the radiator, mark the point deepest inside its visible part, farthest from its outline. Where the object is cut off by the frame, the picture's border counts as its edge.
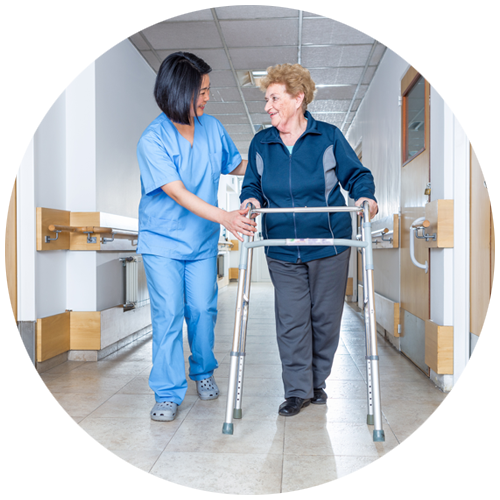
(136, 290)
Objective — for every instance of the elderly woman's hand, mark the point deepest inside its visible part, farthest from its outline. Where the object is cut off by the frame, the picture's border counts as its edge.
(372, 203)
(254, 202)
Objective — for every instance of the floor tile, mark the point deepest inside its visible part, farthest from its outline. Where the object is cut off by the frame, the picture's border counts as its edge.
(333, 438)
(132, 434)
(250, 436)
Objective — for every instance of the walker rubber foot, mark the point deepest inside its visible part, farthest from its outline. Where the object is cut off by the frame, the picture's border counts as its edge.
(370, 419)
(378, 436)
(237, 413)
(227, 429)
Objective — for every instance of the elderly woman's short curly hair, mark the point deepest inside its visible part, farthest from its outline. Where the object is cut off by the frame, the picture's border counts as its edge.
(296, 79)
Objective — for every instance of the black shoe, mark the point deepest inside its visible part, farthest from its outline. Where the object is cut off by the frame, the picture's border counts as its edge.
(319, 398)
(292, 406)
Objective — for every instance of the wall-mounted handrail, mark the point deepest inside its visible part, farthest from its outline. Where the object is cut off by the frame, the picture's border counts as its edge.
(103, 231)
(417, 223)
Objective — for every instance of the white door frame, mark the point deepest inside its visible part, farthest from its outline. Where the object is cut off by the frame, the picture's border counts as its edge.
(460, 113)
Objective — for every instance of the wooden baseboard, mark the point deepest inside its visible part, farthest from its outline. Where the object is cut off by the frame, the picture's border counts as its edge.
(439, 348)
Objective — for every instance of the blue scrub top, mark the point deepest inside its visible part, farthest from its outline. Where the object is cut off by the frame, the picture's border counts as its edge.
(165, 227)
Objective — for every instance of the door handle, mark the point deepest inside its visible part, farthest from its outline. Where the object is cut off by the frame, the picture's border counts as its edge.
(413, 229)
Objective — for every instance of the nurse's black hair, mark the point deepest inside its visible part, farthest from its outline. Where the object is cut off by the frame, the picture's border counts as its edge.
(178, 84)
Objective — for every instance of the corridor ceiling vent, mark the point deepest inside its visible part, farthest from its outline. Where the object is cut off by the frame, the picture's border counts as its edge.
(250, 78)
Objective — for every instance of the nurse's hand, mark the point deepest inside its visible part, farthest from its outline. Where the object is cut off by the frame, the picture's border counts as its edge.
(237, 222)
(254, 202)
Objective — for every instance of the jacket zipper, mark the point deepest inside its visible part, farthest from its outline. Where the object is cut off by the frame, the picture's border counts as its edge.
(293, 202)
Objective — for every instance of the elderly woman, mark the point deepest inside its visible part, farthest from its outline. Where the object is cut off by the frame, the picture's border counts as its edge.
(303, 162)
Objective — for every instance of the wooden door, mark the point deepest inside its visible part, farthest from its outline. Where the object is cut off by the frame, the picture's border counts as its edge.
(11, 252)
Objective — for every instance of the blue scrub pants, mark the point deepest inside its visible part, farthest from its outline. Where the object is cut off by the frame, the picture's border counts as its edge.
(181, 289)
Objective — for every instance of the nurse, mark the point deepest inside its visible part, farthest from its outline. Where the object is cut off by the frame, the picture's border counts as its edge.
(181, 155)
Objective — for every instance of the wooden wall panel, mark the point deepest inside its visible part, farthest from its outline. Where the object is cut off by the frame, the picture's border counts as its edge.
(44, 218)
(481, 266)
(85, 331)
(349, 288)
(11, 313)
(441, 216)
(414, 282)
(78, 241)
(495, 317)
(439, 348)
(52, 336)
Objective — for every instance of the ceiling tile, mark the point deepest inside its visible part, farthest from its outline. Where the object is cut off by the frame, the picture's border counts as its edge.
(199, 15)
(377, 54)
(243, 137)
(329, 106)
(139, 42)
(256, 106)
(151, 59)
(260, 118)
(231, 119)
(225, 94)
(242, 147)
(221, 78)
(324, 76)
(310, 14)
(336, 92)
(328, 31)
(260, 59)
(215, 58)
(224, 107)
(314, 57)
(355, 55)
(253, 94)
(370, 71)
(333, 118)
(254, 12)
(261, 33)
(356, 104)
(183, 35)
(240, 129)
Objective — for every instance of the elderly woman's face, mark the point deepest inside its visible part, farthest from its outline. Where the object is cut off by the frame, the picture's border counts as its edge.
(280, 105)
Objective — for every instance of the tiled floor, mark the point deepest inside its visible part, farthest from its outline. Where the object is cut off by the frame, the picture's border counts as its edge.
(111, 400)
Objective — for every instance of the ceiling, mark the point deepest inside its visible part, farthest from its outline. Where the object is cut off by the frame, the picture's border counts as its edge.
(341, 45)
(237, 40)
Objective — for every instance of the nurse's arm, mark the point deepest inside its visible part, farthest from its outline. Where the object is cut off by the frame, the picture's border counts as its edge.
(234, 221)
(240, 169)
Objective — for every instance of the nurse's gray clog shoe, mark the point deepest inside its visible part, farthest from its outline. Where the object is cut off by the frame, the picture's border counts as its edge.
(207, 388)
(164, 412)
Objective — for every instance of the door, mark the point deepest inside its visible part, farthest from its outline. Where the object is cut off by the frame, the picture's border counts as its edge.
(11, 252)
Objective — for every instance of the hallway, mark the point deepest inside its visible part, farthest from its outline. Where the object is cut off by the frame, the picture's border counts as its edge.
(110, 399)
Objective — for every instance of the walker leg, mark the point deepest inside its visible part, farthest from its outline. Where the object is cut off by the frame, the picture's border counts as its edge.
(372, 358)
(369, 385)
(227, 428)
(238, 413)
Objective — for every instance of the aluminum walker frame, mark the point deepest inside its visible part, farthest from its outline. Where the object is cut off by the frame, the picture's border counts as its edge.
(235, 389)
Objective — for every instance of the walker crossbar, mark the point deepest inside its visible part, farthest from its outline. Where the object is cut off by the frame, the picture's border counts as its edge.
(237, 354)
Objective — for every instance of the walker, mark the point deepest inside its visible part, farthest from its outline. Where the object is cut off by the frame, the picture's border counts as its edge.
(237, 356)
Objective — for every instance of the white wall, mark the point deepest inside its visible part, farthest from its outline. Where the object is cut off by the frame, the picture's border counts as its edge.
(49, 148)
(84, 159)
(125, 106)
(378, 125)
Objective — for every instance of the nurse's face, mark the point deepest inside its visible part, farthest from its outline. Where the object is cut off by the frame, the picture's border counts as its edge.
(203, 96)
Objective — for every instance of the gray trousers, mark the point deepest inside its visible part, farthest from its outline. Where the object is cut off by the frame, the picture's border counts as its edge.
(309, 301)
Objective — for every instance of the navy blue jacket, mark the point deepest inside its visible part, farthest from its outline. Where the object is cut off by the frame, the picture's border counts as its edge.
(321, 161)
